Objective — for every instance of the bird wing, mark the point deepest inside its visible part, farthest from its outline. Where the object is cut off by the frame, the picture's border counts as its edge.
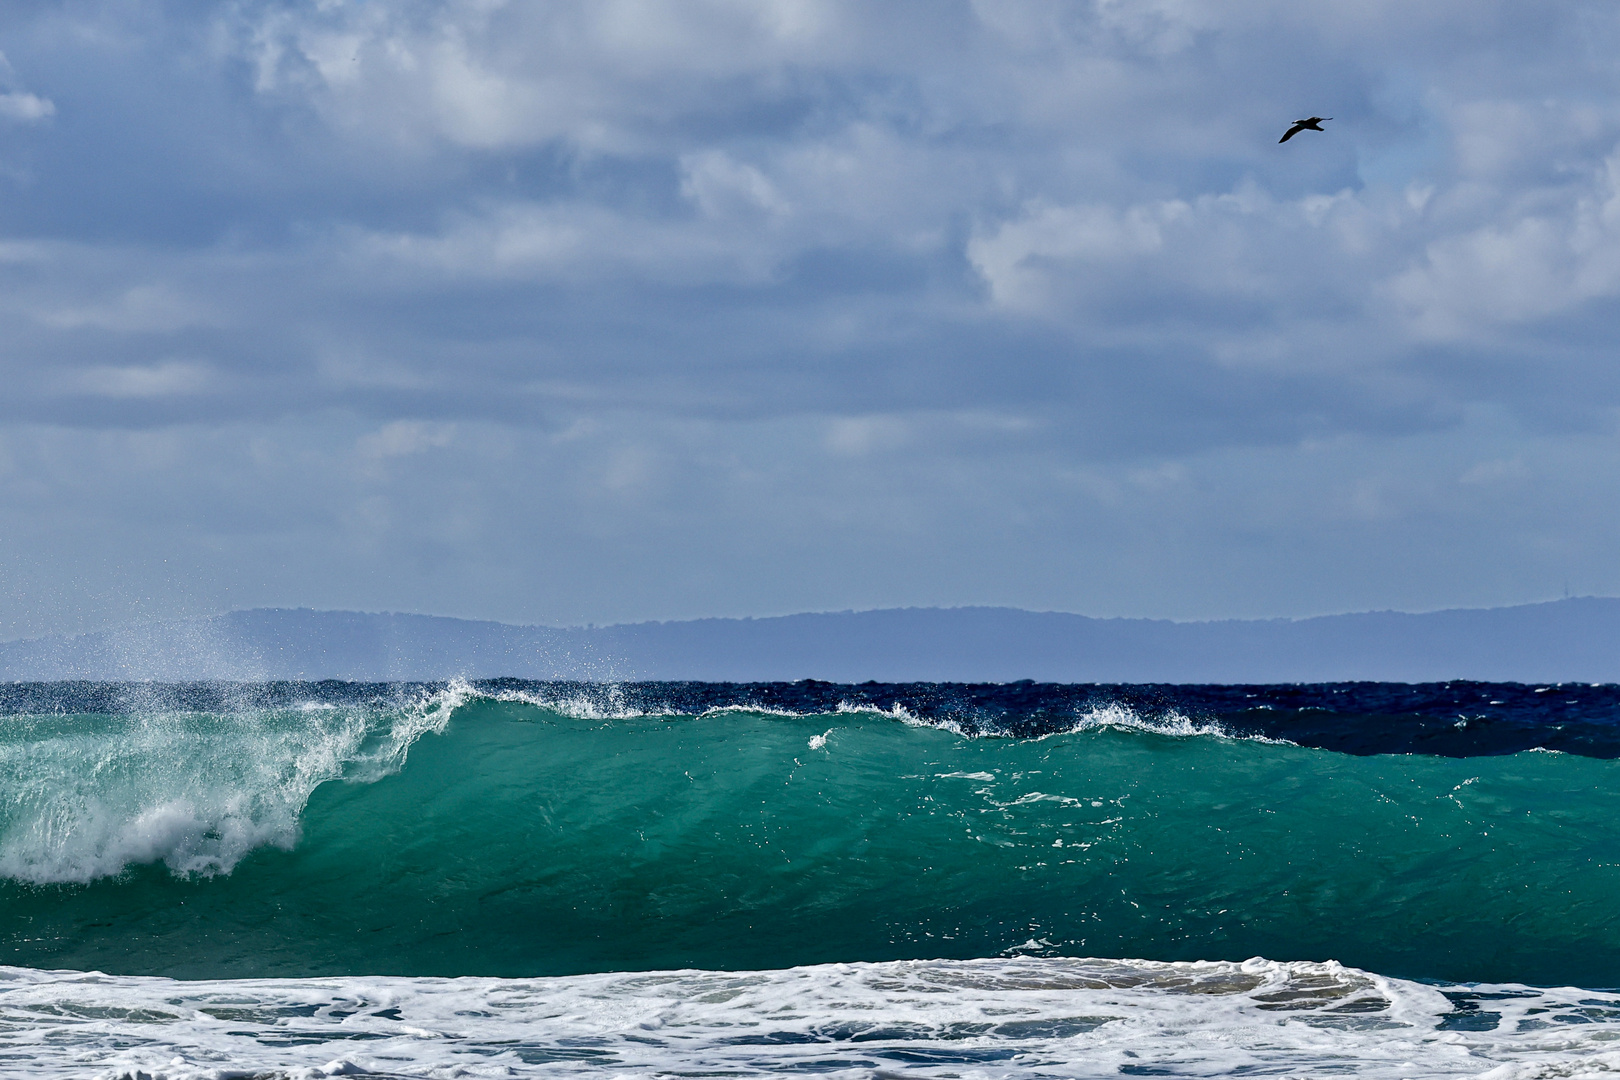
(1291, 132)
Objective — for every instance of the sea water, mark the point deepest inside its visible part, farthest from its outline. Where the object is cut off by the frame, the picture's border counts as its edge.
(521, 879)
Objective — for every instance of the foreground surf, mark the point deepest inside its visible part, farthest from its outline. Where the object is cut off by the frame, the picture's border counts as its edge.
(1004, 1018)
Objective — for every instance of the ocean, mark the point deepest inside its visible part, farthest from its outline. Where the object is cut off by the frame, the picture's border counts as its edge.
(512, 879)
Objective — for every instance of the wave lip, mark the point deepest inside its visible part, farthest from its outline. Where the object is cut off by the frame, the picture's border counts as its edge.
(1011, 1017)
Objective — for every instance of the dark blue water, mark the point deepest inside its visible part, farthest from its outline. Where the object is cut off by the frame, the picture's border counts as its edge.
(1449, 719)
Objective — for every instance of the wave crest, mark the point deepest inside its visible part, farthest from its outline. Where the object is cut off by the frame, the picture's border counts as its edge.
(87, 795)
(609, 702)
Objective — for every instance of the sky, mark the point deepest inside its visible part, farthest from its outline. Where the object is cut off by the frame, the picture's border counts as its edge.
(588, 312)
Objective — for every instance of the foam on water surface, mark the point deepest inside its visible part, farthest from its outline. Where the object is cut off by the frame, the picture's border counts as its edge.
(995, 1019)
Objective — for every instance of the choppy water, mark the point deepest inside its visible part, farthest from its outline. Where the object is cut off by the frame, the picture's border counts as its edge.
(363, 866)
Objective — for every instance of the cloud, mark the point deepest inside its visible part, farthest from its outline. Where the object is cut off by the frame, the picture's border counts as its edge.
(403, 438)
(566, 243)
(17, 104)
(1021, 258)
(490, 76)
(1557, 254)
(160, 380)
(139, 308)
(761, 272)
(25, 107)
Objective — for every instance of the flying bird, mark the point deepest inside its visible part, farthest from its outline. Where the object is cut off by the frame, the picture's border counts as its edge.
(1312, 124)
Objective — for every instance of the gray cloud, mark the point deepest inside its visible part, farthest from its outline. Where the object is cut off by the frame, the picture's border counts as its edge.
(586, 311)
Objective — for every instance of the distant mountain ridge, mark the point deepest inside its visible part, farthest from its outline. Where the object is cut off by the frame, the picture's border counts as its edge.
(1574, 640)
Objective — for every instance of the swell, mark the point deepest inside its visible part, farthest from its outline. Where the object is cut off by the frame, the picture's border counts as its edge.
(531, 839)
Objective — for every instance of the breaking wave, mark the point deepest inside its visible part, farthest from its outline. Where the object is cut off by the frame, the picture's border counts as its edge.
(530, 828)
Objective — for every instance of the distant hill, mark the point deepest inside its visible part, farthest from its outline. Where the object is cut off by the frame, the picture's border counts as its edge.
(1575, 640)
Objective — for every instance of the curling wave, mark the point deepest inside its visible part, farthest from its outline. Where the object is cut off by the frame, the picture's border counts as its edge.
(83, 795)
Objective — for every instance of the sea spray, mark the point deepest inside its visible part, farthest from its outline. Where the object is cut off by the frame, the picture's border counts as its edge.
(84, 795)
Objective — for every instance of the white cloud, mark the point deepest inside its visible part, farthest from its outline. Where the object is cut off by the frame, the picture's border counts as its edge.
(1020, 258)
(1241, 279)
(570, 243)
(168, 379)
(1550, 253)
(723, 187)
(857, 436)
(18, 104)
(491, 75)
(25, 107)
(403, 438)
(137, 309)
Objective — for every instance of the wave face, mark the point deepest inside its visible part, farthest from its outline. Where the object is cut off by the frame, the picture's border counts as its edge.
(529, 829)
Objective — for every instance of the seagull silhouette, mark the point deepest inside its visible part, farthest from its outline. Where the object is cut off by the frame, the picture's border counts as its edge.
(1312, 124)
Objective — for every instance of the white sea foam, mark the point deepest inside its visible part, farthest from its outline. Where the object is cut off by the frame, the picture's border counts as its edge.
(606, 701)
(1119, 717)
(997, 1019)
(609, 702)
(194, 791)
(750, 710)
(1113, 716)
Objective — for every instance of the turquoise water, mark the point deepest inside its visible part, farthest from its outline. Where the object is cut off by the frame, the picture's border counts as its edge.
(466, 835)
